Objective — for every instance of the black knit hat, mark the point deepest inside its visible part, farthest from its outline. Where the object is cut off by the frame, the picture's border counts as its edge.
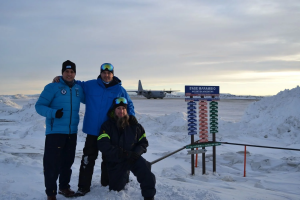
(107, 67)
(120, 101)
(68, 65)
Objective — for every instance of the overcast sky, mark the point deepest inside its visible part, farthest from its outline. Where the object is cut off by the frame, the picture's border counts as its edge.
(245, 47)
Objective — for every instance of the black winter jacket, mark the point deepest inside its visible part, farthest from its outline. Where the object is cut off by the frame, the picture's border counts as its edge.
(111, 138)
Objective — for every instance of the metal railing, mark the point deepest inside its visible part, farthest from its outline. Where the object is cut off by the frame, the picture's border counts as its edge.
(157, 160)
(250, 145)
(245, 145)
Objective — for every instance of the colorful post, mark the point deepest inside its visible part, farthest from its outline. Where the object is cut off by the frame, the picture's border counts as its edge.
(207, 121)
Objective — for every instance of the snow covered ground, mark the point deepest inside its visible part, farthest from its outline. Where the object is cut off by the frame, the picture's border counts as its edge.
(270, 173)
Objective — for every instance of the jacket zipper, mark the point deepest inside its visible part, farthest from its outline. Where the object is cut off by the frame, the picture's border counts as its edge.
(70, 112)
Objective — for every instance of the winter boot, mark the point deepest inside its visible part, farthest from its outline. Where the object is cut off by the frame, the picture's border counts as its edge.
(81, 192)
(148, 198)
(51, 197)
(66, 192)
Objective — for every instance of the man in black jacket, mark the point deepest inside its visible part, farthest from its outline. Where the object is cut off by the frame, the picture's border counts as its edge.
(122, 145)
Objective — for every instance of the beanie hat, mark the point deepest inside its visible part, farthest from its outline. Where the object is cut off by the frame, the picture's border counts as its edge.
(107, 67)
(120, 101)
(68, 65)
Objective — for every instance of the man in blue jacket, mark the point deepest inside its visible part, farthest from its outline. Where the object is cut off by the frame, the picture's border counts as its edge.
(59, 103)
(99, 94)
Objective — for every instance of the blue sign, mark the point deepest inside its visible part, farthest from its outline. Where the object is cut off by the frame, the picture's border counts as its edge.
(201, 99)
(191, 103)
(192, 120)
(191, 112)
(192, 132)
(201, 90)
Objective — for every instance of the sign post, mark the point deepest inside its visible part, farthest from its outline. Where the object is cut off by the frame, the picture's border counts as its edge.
(213, 113)
(208, 121)
(192, 128)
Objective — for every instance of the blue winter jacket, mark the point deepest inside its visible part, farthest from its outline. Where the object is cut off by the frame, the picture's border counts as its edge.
(98, 100)
(56, 96)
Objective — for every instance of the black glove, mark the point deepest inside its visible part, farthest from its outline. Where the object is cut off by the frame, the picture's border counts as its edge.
(132, 120)
(59, 113)
(124, 154)
(133, 158)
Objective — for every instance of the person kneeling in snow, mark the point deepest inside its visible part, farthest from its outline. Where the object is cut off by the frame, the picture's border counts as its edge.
(122, 145)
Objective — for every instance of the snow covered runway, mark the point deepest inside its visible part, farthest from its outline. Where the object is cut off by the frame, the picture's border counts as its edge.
(271, 174)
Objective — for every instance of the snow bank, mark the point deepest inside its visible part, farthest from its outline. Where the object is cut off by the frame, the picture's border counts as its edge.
(21, 121)
(277, 116)
(19, 96)
(6, 105)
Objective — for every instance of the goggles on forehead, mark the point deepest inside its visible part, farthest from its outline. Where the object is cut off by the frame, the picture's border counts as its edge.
(120, 99)
(107, 66)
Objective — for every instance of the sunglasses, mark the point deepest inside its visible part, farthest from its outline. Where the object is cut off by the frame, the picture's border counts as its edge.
(107, 66)
(121, 99)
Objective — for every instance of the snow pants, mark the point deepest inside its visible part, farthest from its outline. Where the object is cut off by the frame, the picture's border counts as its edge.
(118, 176)
(90, 154)
(59, 155)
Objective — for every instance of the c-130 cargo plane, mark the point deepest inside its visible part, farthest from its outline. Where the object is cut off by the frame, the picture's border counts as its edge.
(152, 93)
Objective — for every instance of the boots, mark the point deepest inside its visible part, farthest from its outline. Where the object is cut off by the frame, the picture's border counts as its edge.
(81, 192)
(51, 197)
(66, 192)
(148, 198)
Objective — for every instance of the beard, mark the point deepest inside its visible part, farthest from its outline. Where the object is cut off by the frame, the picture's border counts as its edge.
(122, 122)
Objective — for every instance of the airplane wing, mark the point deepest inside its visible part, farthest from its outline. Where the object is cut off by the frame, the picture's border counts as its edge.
(132, 91)
(170, 91)
(138, 92)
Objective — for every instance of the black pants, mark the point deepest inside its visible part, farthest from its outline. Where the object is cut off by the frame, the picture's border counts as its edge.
(90, 154)
(59, 155)
(118, 176)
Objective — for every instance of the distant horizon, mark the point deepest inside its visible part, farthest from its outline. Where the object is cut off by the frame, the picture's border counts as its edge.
(132, 93)
(159, 89)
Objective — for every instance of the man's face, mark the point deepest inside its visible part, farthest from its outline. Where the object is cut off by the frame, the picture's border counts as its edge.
(69, 75)
(121, 111)
(107, 76)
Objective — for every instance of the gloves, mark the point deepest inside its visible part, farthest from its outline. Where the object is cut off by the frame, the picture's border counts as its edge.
(123, 153)
(132, 120)
(133, 158)
(59, 113)
(130, 156)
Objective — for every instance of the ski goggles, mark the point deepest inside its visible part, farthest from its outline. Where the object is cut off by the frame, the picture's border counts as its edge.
(107, 66)
(120, 100)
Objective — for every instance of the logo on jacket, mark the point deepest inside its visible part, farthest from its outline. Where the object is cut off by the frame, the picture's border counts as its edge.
(63, 91)
(77, 92)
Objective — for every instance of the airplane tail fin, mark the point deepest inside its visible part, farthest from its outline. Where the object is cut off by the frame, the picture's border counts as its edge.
(140, 88)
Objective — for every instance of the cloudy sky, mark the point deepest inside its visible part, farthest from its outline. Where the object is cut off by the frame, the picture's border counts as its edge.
(245, 47)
